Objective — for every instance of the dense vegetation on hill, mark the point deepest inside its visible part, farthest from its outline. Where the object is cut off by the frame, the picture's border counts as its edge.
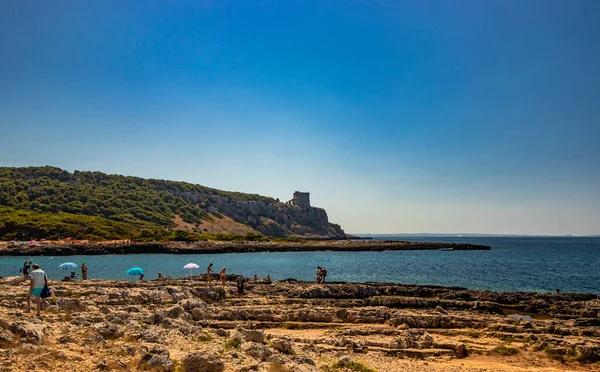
(48, 202)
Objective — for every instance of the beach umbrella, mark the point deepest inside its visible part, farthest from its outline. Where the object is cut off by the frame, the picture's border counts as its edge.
(191, 266)
(135, 271)
(68, 265)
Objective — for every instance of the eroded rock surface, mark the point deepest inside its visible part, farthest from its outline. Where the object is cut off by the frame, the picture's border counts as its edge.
(295, 326)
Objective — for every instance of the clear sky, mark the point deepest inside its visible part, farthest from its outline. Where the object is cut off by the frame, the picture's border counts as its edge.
(397, 116)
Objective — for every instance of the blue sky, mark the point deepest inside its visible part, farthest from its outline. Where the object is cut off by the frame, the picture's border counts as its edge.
(416, 116)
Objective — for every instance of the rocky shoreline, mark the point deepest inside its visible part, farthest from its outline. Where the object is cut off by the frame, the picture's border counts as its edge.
(228, 247)
(185, 325)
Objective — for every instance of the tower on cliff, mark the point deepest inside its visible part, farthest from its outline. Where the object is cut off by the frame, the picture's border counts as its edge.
(301, 199)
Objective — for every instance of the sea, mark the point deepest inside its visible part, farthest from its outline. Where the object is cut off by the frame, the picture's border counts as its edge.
(515, 263)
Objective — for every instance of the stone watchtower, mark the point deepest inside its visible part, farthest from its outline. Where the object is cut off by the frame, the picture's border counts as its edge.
(301, 199)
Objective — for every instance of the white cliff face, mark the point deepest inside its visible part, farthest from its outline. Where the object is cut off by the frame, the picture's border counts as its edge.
(269, 218)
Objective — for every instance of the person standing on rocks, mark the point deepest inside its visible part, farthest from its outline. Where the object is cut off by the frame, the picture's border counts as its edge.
(223, 277)
(323, 274)
(208, 275)
(26, 268)
(36, 286)
(241, 284)
(83, 271)
(318, 274)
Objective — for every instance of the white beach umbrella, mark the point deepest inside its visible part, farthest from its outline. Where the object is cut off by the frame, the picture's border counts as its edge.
(191, 266)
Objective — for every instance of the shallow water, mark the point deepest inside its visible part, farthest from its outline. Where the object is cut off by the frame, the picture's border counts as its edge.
(513, 264)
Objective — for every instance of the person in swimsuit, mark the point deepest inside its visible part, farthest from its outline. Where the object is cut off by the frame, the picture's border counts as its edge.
(83, 271)
(208, 275)
(323, 274)
(223, 277)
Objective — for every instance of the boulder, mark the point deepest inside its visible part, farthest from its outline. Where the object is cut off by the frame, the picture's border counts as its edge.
(198, 313)
(201, 362)
(192, 303)
(180, 325)
(70, 304)
(253, 335)
(283, 346)
(174, 312)
(159, 297)
(461, 351)
(259, 352)
(152, 335)
(109, 331)
(157, 358)
(30, 333)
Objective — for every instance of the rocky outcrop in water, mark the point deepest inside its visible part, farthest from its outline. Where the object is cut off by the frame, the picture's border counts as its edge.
(228, 247)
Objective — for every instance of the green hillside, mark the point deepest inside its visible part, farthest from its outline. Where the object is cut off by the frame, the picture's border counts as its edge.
(48, 202)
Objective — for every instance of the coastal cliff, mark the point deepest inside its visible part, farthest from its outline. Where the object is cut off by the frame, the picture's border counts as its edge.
(48, 202)
(267, 217)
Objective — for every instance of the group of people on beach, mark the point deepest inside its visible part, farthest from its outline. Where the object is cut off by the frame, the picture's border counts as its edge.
(39, 280)
(74, 275)
(240, 280)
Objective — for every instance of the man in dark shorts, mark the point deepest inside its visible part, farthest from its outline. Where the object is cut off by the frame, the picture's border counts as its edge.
(241, 284)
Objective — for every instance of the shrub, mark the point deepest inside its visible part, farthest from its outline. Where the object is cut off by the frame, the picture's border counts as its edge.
(504, 350)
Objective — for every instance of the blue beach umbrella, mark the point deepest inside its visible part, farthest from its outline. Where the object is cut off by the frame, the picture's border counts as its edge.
(68, 265)
(135, 271)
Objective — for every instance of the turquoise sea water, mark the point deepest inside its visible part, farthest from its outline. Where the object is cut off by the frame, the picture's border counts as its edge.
(514, 264)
